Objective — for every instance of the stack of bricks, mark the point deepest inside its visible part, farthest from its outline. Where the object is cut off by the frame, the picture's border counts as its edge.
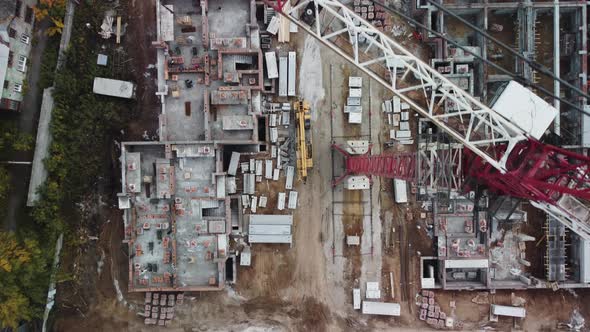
(375, 15)
(159, 308)
(430, 310)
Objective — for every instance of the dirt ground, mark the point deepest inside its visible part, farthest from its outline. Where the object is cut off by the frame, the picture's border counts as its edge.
(286, 289)
(141, 33)
(89, 302)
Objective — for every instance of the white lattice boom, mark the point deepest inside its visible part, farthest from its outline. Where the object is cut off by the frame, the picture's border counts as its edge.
(427, 91)
(463, 117)
(440, 166)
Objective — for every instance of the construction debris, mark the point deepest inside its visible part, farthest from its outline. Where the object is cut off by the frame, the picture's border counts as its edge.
(481, 298)
(106, 28)
(576, 323)
(517, 301)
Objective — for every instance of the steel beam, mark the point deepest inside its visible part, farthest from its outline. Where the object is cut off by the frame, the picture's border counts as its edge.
(556, 59)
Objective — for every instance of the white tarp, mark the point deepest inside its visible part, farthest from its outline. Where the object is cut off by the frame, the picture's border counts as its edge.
(271, 219)
(283, 75)
(356, 298)
(381, 308)
(257, 238)
(400, 188)
(113, 88)
(525, 109)
(503, 310)
(271, 65)
(292, 74)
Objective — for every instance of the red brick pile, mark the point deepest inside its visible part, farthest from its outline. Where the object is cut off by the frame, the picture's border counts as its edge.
(430, 310)
(159, 307)
(376, 15)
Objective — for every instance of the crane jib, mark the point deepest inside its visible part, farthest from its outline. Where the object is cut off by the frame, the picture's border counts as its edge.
(497, 152)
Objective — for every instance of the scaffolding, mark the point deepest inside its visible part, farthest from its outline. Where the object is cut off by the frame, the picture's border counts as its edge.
(555, 257)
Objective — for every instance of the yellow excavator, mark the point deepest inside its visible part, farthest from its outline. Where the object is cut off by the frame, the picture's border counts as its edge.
(304, 146)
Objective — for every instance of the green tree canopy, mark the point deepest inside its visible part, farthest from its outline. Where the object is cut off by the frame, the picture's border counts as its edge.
(22, 271)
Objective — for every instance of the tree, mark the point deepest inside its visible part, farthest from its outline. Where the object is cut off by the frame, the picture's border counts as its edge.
(14, 307)
(54, 9)
(12, 139)
(23, 276)
(12, 255)
(22, 142)
(4, 184)
(57, 28)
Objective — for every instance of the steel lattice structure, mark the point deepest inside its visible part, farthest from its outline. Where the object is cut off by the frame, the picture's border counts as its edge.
(399, 166)
(509, 160)
(426, 91)
(440, 166)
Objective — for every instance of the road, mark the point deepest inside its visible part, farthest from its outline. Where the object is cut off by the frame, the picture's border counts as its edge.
(27, 123)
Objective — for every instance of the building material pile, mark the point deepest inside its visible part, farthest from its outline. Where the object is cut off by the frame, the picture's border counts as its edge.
(159, 307)
(353, 102)
(266, 228)
(430, 311)
(106, 28)
(381, 308)
(398, 116)
(287, 74)
(375, 15)
(255, 171)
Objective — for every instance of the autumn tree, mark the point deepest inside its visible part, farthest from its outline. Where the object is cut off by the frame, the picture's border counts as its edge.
(11, 139)
(55, 11)
(4, 184)
(23, 276)
(50, 8)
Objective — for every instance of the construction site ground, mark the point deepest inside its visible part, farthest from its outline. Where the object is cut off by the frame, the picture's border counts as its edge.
(306, 287)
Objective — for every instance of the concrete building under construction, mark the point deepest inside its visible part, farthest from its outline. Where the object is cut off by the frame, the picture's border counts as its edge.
(182, 196)
(519, 25)
(480, 239)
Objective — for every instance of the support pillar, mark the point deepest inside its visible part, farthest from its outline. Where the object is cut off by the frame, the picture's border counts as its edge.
(556, 57)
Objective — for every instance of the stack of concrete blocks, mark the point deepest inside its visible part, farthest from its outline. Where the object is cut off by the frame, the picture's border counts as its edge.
(430, 310)
(262, 169)
(398, 116)
(373, 291)
(279, 120)
(375, 15)
(159, 308)
(353, 103)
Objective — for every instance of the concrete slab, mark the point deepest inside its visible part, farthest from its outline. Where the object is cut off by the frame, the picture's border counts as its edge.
(39, 172)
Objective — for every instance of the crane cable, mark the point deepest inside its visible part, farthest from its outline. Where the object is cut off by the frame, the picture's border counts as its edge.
(519, 79)
(535, 65)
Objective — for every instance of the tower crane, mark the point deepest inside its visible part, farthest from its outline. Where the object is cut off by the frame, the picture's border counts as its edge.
(496, 151)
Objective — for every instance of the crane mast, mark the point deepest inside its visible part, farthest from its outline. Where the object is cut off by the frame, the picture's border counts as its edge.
(496, 151)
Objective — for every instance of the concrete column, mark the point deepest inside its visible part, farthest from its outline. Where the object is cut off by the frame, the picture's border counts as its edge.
(557, 123)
